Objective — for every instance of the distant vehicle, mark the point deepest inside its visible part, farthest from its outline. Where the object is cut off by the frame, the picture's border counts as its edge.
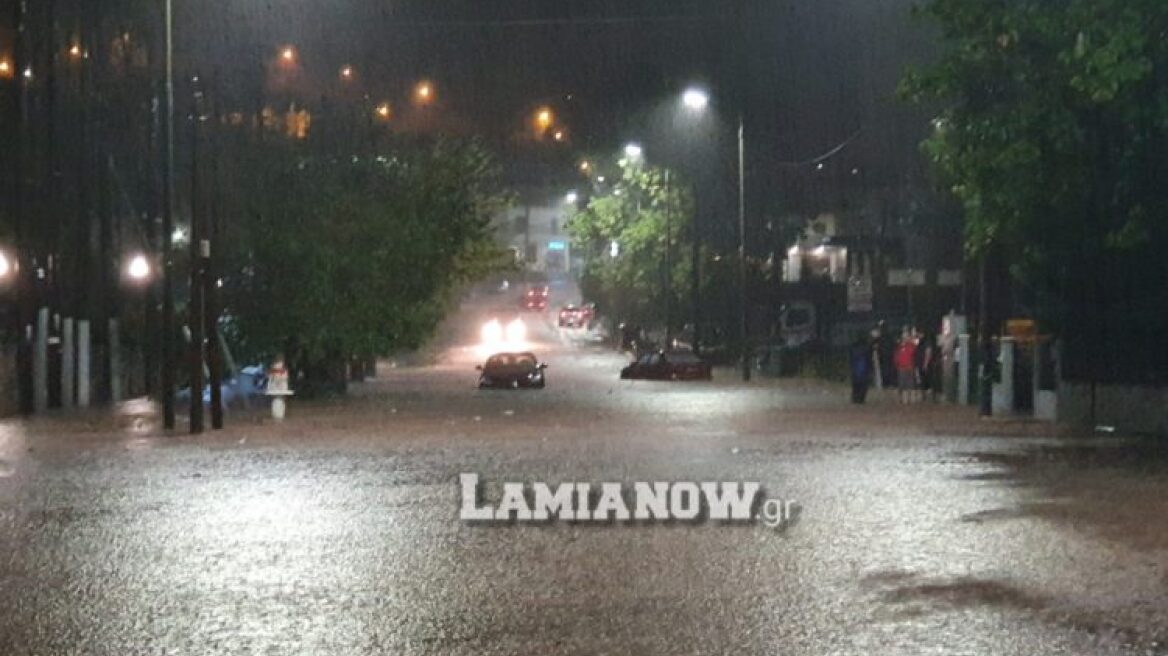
(572, 317)
(536, 298)
(512, 371)
(668, 365)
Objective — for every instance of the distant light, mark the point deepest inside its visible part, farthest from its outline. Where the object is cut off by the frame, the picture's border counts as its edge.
(634, 151)
(855, 171)
(618, 192)
(585, 166)
(571, 198)
(179, 236)
(819, 166)
(288, 55)
(557, 246)
(139, 267)
(544, 118)
(559, 135)
(424, 92)
(614, 249)
(5, 69)
(346, 72)
(75, 51)
(695, 99)
(384, 111)
(5, 266)
(28, 73)
(600, 179)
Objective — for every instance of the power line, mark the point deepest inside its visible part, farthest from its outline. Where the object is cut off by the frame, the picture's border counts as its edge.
(549, 22)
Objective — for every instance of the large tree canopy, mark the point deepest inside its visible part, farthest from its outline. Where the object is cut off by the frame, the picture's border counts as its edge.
(624, 236)
(340, 256)
(1052, 133)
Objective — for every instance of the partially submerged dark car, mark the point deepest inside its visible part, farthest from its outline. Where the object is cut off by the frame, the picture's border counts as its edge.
(668, 365)
(512, 371)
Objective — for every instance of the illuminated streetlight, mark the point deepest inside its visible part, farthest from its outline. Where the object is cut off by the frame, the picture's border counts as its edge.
(384, 111)
(585, 167)
(424, 92)
(5, 69)
(28, 73)
(558, 135)
(571, 198)
(634, 151)
(288, 55)
(5, 266)
(544, 118)
(75, 51)
(138, 268)
(695, 99)
(346, 73)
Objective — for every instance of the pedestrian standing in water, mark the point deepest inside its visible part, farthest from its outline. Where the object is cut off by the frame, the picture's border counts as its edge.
(905, 361)
(860, 359)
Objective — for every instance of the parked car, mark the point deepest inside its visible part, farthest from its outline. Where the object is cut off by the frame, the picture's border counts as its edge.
(668, 365)
(512, 371)
(535, 299)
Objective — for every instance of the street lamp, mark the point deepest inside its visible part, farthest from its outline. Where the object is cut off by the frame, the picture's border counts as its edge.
(571, 198)
(346, 73)
(5, 266)
(138, 268)
(697, 101)
(6, 69)
(384, 111)
(424, 92)
(288, 55)
(633, 151)
(544, 118)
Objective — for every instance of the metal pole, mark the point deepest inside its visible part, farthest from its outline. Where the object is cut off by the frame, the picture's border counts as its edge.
(985, 380)
(742, 293)
(167, 336)
(668, 265)
(199, 250)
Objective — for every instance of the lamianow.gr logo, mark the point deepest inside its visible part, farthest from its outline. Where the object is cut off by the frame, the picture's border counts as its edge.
(686, 501)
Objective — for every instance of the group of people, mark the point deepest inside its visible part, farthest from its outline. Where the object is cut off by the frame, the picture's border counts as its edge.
(912, 364)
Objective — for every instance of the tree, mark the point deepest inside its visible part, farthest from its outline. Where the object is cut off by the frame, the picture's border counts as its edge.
(624, 236)
(338, 257)
(1055, 112)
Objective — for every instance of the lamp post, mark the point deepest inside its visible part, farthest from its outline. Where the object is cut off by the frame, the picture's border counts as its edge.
(697, 100)
(167, 335)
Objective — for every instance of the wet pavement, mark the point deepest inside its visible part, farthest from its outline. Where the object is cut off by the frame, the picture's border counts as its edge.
(921, 531)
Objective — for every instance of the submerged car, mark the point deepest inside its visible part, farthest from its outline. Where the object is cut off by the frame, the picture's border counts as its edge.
(512, 371)
(668, 365)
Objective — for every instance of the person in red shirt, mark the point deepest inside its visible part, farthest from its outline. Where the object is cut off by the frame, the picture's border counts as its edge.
(905, 360)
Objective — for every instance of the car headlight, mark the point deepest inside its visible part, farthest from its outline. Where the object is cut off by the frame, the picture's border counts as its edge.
(492, 331)
(516, 331)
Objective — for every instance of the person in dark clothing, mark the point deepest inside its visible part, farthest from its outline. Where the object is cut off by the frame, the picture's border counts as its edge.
(860, 360)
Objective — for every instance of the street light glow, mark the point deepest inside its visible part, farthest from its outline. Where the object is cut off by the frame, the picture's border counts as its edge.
(634, 151)
(139, 268)
(5, 69)
(424, 92)
(571, 198)
(346, 72)
(5, 265)
(559, 135)
(384, 111)
(585, 166)
(75, 51)
(544, 118)
(695, 99)
(288, 55)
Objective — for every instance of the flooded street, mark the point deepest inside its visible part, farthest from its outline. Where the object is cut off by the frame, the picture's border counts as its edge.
(921, 530)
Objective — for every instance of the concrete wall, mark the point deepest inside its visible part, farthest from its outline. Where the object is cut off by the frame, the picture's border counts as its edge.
(1128, 409)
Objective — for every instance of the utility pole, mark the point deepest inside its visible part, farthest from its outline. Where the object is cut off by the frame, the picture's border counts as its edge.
(668, 264)
(167, 336)
(985, 380)
(199, 248)
(210, 270)
(743, 295)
